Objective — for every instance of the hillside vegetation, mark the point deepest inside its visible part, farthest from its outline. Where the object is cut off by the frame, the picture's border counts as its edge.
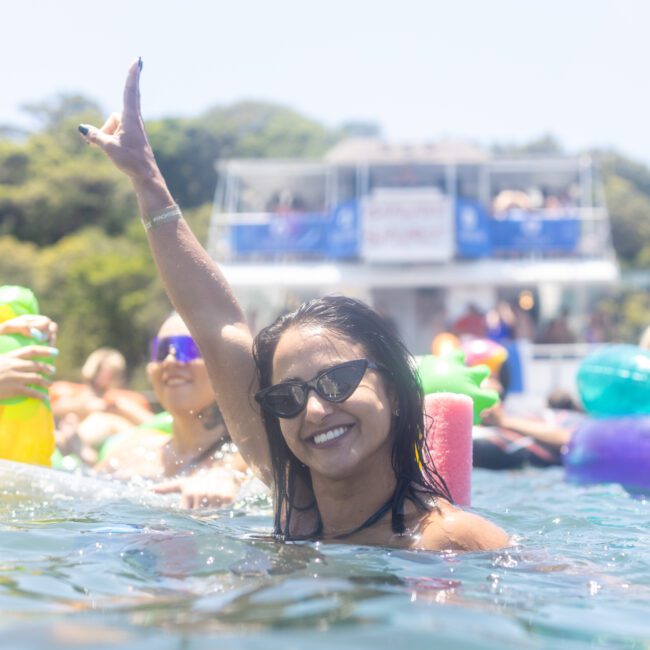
(68, 226)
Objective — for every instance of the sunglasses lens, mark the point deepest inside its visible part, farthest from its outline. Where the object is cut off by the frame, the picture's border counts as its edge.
(183, 349)
(286, 400)
(337, 384)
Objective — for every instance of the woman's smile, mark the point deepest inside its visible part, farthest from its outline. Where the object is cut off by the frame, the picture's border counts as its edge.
(321, 439)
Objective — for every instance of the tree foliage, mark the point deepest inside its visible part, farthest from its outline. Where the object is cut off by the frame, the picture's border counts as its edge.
(68, 225)
(627, 189)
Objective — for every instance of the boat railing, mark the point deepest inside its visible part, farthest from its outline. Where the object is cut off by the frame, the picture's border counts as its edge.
(543, 234)
(546, 367)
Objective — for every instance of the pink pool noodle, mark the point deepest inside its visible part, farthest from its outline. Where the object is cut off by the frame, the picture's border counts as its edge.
(448, 420)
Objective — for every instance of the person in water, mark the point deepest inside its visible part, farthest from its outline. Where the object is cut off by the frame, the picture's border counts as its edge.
(198, 460)
(505, 440)
(90, 413)
(340, 432)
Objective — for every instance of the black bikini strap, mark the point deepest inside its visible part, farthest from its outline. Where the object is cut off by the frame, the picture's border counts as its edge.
(371, 521)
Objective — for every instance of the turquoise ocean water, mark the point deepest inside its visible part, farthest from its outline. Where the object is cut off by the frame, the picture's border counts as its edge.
(89, 564)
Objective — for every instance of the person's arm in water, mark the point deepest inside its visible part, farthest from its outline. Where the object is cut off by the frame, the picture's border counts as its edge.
(546, 432)
(194, 283)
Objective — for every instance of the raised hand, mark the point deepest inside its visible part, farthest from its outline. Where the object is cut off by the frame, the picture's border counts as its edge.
(123, 137)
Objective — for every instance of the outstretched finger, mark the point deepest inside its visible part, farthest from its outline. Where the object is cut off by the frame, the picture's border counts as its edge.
(92, 135)
(27, 391)
(132, 92)
(34, 379)
(34, 352)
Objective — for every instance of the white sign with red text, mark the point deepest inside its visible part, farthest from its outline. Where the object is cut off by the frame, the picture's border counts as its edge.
(407, 225)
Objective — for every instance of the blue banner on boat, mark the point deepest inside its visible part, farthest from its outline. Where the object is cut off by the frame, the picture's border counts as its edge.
(527, 231)
(472, 229)
(331, 235)
(343, 233)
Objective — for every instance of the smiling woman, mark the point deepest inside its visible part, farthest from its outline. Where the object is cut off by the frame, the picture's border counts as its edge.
(356, 425)
(199, 453)
(343, 450)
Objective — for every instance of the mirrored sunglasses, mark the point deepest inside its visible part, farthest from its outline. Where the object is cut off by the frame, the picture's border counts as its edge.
(336, 384)
(182, 348)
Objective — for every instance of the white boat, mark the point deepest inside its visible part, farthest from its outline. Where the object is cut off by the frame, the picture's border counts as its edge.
(421, 232)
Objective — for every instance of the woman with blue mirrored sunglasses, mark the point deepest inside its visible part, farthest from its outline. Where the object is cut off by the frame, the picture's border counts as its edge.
(182, 348)
(198, 459)
(345, 459)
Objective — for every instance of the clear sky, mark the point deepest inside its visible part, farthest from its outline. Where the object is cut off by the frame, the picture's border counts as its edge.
(486, 70)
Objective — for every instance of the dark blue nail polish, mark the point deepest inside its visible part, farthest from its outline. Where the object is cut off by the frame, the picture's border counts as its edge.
(83, 129)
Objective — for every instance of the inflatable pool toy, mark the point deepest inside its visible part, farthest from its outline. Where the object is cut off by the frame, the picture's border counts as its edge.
(615, 380)
(444, 343)
(611, 450)
(26, 424)
(162, 423)
(16, 301)
(486, 352)
(449, 439)
(449, 374)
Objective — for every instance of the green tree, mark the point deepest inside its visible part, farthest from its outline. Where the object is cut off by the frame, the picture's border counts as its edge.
(187, 149)
(627, 190)
(18, 261)
(52, 113)
(186, 152)
(545, 144)
(103, 291)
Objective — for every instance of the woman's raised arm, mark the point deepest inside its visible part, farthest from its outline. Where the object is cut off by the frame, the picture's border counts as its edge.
(194, 283)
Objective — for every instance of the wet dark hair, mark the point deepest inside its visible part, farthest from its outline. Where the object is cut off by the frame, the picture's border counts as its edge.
(353, 319)
(562, 400)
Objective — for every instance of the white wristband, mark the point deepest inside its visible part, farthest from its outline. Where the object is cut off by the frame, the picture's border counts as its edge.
(171, 213)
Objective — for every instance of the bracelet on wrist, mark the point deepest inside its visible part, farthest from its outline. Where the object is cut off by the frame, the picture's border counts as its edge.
(170, 213)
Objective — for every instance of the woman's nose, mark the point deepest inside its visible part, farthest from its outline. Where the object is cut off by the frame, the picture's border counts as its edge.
(317, 407)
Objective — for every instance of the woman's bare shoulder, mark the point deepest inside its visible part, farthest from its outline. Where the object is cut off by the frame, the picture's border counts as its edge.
(448, 527)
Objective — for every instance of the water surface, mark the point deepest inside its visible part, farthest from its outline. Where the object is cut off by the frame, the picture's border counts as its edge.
(90, 564)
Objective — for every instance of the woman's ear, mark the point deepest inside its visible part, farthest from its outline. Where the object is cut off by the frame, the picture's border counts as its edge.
(394, 400)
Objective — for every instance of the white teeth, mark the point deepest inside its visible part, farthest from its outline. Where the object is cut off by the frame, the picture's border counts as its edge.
(329, 435)
(176, 381)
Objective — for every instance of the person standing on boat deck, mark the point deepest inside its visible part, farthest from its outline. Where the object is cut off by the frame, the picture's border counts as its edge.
(342, 429)
(198, 459)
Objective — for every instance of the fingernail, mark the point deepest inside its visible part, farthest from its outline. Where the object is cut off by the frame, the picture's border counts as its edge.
(140, 62)
(53, 352)
(83, 129)
(37, 334)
